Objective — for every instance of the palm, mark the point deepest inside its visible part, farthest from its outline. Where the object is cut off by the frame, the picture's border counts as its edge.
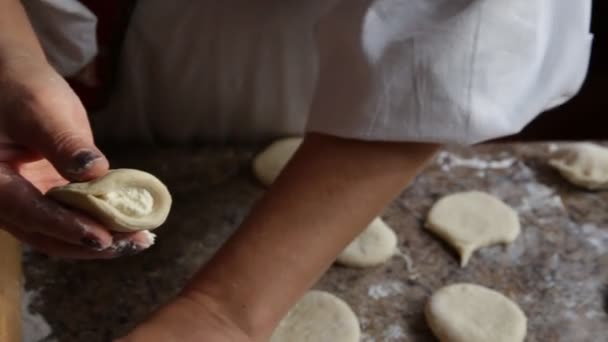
(41, 174)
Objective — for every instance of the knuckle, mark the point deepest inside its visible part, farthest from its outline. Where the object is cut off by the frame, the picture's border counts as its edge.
(23, 109)
(67, 140)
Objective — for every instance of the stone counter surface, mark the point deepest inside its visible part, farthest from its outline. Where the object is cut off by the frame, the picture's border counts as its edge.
(557, 270)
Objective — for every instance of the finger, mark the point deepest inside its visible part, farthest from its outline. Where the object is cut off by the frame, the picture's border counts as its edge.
(56, 248)
(23, 207)
(15, 154)
(55, 125)
(142, 239)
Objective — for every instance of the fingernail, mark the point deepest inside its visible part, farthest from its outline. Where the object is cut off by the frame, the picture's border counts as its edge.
(91, 243)
(150, 239)
(83, 160)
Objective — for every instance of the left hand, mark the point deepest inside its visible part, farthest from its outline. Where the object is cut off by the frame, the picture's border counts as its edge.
(191, 317)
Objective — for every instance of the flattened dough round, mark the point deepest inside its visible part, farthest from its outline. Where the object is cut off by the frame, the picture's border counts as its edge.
(471, 220)
(319, 317)
(126, 200)
(374, 246)
(473, 313)
(269, 163)
(583, 164)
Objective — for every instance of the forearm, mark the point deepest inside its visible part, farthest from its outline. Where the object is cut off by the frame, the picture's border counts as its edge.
(327, 195)
(17, 38)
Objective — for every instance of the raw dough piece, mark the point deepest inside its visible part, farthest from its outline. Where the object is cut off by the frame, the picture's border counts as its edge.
(269, 163)
(471, 220)
(583, 164)
(374, 246)
(472, 313)
(318, 317)
(124, 199)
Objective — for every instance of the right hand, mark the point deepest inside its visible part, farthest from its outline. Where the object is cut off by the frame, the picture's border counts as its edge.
(46, 141)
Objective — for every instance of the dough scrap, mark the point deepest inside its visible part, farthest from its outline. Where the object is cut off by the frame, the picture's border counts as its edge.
(473, 313)
(583, 164)
(126, 200)
(376, 245)
(471, 220)
(270, 162)
(318, 317)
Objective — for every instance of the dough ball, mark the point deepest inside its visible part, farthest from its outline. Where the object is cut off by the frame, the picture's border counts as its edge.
(583, 164)
(319, 317)
(269, 163)
(124, 199)
(472, 313)
(471, 220)
(376, 245)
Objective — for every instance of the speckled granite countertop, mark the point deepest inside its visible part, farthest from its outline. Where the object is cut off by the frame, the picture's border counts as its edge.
(557, 270)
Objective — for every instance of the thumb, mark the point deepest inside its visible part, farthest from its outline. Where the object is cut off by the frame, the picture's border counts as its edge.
(58, 129)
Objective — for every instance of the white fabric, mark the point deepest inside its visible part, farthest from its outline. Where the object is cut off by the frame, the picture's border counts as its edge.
(484, 72)
(458, 71)
(67, 32)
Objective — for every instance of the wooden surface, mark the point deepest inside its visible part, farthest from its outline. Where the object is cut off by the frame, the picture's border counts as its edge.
(10, 289)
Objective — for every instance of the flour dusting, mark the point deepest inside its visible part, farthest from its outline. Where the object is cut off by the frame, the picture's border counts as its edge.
(365, 337)
(386, 289)
(448, 161)
(552, 147)
(409, 264)
(596, 237)
(34, 327)
(539, 197)
(394, 333)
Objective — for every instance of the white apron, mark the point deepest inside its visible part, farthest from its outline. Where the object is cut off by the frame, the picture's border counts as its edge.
(457, 71)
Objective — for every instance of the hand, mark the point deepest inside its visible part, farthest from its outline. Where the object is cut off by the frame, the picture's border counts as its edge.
(45, 141)
(192, 317)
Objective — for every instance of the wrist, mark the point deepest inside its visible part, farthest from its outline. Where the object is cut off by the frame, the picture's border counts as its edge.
(231, 313)
(17, 37)
(189, 317)
(14, 57)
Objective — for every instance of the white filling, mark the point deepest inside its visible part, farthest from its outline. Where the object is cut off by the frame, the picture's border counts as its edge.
(134, 202)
